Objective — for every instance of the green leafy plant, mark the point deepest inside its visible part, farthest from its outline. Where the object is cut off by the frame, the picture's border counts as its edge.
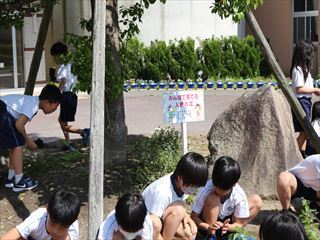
(158, 59)
(81, 52)
(210, 55)
(183, 52)
(230, 57)
(132, 58)
(307, 217)
(240, 234)
(81, 57)
(156, 156)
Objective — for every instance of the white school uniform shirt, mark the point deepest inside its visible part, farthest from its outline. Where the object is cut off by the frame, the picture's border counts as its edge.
(160, 194)
(308, 172)
(21, 104)
(110, 225)
(35, 227)
(316, 126)
(64, 71)
(298, 81)
(236, 204)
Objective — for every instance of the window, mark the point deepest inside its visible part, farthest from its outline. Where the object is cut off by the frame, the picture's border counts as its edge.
(305, 20)
(11, 62)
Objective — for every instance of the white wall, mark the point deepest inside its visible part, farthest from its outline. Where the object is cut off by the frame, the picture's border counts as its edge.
(175, 19)
(178, 19)
(75, 10)
(30, 33)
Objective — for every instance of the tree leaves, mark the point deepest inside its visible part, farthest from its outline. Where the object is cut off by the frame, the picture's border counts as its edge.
(132, 15)
(235, 8)
(12, 12)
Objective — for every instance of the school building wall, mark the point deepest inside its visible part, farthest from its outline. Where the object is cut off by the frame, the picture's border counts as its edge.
(275, 18)
(173, 20)
(169, 21)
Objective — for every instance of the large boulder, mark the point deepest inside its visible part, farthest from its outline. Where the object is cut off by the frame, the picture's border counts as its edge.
(257, 131)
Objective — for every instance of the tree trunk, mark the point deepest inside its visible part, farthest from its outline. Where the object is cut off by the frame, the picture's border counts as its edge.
(282, 81)
(37, 55)
(115, 127)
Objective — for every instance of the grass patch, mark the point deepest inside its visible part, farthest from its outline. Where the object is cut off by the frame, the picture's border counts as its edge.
(36, 164)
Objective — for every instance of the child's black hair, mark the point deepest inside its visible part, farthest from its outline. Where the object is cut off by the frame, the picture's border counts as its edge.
(51, 93)
(282, 225)
(315, 111)
(58, 48)
(131, 212)
(193, 169)
(303, 57)
(226, 172)
(63, 207)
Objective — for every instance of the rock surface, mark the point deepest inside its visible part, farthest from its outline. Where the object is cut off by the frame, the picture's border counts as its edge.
(257, 131)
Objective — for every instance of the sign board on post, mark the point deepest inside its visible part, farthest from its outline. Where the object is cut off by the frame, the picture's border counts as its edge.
(182, 107)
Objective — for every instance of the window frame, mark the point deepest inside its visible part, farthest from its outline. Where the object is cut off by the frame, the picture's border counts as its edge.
(304, 14)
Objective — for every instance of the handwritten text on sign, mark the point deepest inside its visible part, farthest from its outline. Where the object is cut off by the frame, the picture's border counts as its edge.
(183, 106)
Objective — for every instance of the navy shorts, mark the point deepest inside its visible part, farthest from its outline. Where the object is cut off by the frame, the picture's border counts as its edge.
(306, 105)
(10, 137)
(305, 192)
(68, 106)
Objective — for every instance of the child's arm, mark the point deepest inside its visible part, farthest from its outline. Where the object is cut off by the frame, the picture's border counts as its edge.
(302, 90)
(238, 223)
(13, 234)
(20, 125)
(211, 229)
(188, 221)
(62, 83)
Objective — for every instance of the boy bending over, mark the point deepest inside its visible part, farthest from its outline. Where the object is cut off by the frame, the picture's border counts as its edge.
(129, 220)
(221, 205)
(303, 180)
(15, 111)
(165, 198)
(56, 222)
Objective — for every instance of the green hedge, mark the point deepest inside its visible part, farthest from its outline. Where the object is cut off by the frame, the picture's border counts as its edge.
(216, 57)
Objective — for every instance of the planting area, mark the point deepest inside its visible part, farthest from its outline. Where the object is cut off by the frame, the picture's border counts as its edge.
(57, 169)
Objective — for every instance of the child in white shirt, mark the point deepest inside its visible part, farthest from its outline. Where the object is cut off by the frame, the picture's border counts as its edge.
(302, 86)
(128, 221)
(303, 180)
(57, 221)
(165, 198)
(315, 122)
(221, 205)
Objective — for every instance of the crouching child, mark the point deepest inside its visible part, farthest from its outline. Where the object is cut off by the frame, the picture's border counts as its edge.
(165, 198)
(221, 205)
(128, 221)
(56, 222)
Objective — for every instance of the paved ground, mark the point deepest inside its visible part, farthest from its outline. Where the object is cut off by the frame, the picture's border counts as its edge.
(143, 113)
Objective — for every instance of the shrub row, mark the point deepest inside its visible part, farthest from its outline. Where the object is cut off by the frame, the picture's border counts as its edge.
(214, 58)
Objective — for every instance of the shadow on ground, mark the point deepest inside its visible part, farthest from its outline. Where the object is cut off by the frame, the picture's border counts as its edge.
(55, 168)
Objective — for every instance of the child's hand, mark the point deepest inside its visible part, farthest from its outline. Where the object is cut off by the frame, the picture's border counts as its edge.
(187, 221)
(225, 226)
(212, 228)
(31, 144)
(317, 91)
(217, 225)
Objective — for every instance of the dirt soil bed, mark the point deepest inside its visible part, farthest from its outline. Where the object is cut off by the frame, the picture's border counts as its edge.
(56, 168)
